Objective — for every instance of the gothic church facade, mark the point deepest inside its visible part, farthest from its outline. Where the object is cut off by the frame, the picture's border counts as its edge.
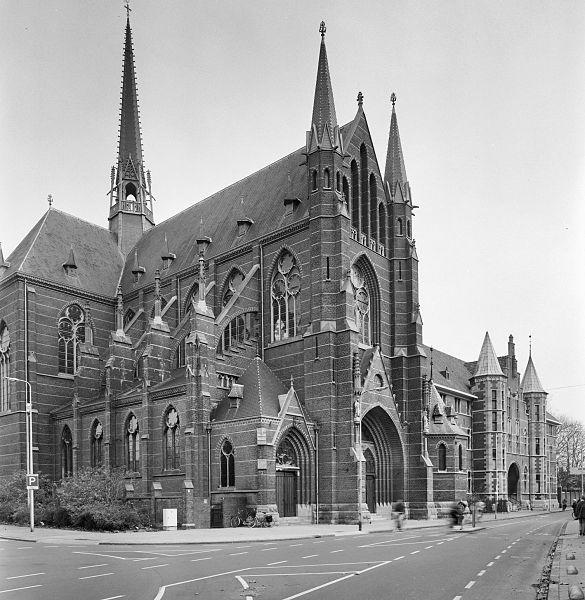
(260, 346)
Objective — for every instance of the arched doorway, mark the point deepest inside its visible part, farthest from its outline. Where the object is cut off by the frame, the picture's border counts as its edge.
(293, 474)
(382, 450)
(513, 478)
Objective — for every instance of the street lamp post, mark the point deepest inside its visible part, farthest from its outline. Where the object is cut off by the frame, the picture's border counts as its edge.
(29, 448)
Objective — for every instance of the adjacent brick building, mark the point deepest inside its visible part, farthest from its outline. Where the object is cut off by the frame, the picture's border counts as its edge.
(228, 355)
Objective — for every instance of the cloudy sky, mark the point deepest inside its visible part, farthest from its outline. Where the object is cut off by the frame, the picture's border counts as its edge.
(491, 109)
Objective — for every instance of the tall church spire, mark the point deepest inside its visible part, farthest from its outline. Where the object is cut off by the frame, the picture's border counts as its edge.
(324, 129)
(130, 197)
(395, 173)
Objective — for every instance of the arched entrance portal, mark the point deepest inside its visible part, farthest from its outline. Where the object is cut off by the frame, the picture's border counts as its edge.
(293, 474)
(513, 478)
(382, 450)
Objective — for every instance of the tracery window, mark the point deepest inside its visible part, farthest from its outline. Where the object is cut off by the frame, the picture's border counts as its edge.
(181, 353)
(361, 304)
(96, 443)
(66, 452)
(239, 330)
(171, 440)
(286, 455)
(525, 478)
(71, 331)
(4, 367)
(285, 293)
(132, 440)
(442, 457)
(128, 316)
(234, 284)
(227, 465)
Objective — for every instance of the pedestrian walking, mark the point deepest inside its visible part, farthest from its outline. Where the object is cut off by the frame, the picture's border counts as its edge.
(564, 504)
(399, 514)
(574, 506)
(580, 513)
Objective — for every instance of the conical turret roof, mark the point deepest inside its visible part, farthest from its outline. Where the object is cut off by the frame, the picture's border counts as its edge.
(323, 105)
(395, 172)
(130, 142)
(487, 363)
(530, 381)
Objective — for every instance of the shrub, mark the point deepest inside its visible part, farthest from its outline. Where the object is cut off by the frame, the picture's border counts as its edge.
(14, 498)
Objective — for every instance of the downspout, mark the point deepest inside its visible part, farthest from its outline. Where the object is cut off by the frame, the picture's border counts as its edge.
(261, 302)
(26, 367)
(316, 476)
(208, 429)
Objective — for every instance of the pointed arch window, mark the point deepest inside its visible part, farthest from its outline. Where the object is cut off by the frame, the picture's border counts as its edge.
(66, 453)
(365, 213)
(327, 178)
(442, 457)
(239, 330)
(399, 227)
(374, 207)
(171, 440)
(4, 367)
(132, 443)
(192, 295)
(313, 180)
(460, 458)
(128, 316)
(361, 304)
(355, 196)
(71, 332)
(525, 479)
(338, 181)
(382, 224)
(227, 465)
(285, 291)
(234, 285)
(181, 353)
(96, 444)
(408, 229)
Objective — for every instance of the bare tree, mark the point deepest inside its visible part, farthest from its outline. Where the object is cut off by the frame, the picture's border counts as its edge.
(570, 450)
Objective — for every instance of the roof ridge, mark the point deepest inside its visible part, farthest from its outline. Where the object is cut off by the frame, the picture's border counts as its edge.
(80, 219)
(36, 237)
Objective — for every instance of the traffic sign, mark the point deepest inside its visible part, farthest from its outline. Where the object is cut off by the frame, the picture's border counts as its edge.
(32, 482)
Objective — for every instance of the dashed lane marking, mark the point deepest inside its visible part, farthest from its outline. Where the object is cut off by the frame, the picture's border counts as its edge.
(268, 549)
(469, 585)
(399, 558)
(198, 559)
(415, 552)
(490, 564)
(103, 555)
(481, 573)
(504, 551)
(24, 548)
(21, 576)
(319, 542)
(310, 556)
(28, 587)
(334, 551)
(457, 598)
(153, 567)
(293, 545)
(237, 553)
(114, 597)
(94, 576)
(498, 557)
(93, 566)
(243, 582)
(240, 547)
(428, 547)
(278, 562)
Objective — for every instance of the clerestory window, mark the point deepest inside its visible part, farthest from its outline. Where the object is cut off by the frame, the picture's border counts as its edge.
(285, 294)
(71, 332)
(227, 465)
(4, 367)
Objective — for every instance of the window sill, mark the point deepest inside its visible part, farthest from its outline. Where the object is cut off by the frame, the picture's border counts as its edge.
(171, 473)
(65, 376)
(296, 338)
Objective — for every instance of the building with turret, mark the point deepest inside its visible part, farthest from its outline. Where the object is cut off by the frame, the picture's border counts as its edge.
(263, 347)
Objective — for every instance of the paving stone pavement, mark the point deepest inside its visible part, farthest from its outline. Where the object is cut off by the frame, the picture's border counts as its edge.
(565, 583)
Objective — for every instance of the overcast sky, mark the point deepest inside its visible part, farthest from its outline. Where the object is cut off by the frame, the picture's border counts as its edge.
(491, 103)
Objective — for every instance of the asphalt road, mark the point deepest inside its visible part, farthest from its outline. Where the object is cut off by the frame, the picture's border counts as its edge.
(502, 561)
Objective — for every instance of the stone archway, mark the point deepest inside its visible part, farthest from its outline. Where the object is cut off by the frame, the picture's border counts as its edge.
(513, 480)
(384, 459)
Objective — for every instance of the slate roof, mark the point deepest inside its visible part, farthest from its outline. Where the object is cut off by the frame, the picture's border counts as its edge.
(530, 381)
(443, 426)
(48, 245)
(459, 374)
(261, 391)
(395, 170)
(263, 194)
(323, 104)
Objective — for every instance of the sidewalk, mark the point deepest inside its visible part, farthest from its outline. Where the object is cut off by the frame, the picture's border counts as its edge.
(47, 535)
(567, 574)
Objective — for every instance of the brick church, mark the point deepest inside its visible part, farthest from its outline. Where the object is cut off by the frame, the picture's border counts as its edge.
(261, 348)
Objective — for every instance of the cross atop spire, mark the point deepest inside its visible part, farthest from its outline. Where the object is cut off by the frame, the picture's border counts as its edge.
(128, 9)
(393, 99)
(322, 29)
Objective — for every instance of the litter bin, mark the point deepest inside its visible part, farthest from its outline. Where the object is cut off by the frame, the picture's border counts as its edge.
(169, 519)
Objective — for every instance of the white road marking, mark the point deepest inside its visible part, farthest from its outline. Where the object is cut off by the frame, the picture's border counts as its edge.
(490, 564)
(28, 587)
(93, 566)
(292, 545)
(334, 551)
(319, 542)
(498, 556)
(21, 576)
(457, 598)
(94, 576)
(153, 566)
(268, 549)
(508, 547)
(297, 574)
(51, 546)
(504, 551)
(237, 553)
(114, 597)
(415, 552)
(103, 555)
(243, 582)
(427, 547)
(240, 547)
(399, 557)
(310, 556)
(198, 559)
(393, 541)
(24, 548)
(439, 543)
(276, 563)
(481, 573)
(469, 585)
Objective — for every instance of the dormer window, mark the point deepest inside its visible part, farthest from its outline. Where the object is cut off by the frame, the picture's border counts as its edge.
(244, 225)
(290, 205)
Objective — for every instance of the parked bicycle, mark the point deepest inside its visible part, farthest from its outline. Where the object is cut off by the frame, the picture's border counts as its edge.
(245, 516)
(262, 520)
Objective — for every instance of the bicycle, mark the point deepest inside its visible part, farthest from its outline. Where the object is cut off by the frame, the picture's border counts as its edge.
(262, 520)
(244, 516)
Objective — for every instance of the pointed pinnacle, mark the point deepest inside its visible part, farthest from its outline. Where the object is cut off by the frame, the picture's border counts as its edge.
(322, 29)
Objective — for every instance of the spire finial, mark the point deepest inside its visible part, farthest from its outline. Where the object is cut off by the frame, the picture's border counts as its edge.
(360, 98)
(530, 345)
(50, 200)
(431, 377)
(128, 9)
(393, 99)
(322, 29)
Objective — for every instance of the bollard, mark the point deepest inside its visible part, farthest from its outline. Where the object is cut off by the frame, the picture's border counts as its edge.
(571, 570)
(575, 592)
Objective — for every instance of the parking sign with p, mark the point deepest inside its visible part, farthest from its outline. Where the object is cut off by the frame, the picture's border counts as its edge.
(32, 482)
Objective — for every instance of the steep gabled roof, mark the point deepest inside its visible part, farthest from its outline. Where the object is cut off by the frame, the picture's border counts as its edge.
(530, 381)
(487, 363)
(42, 251)
(261, 389)
(448, 371)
